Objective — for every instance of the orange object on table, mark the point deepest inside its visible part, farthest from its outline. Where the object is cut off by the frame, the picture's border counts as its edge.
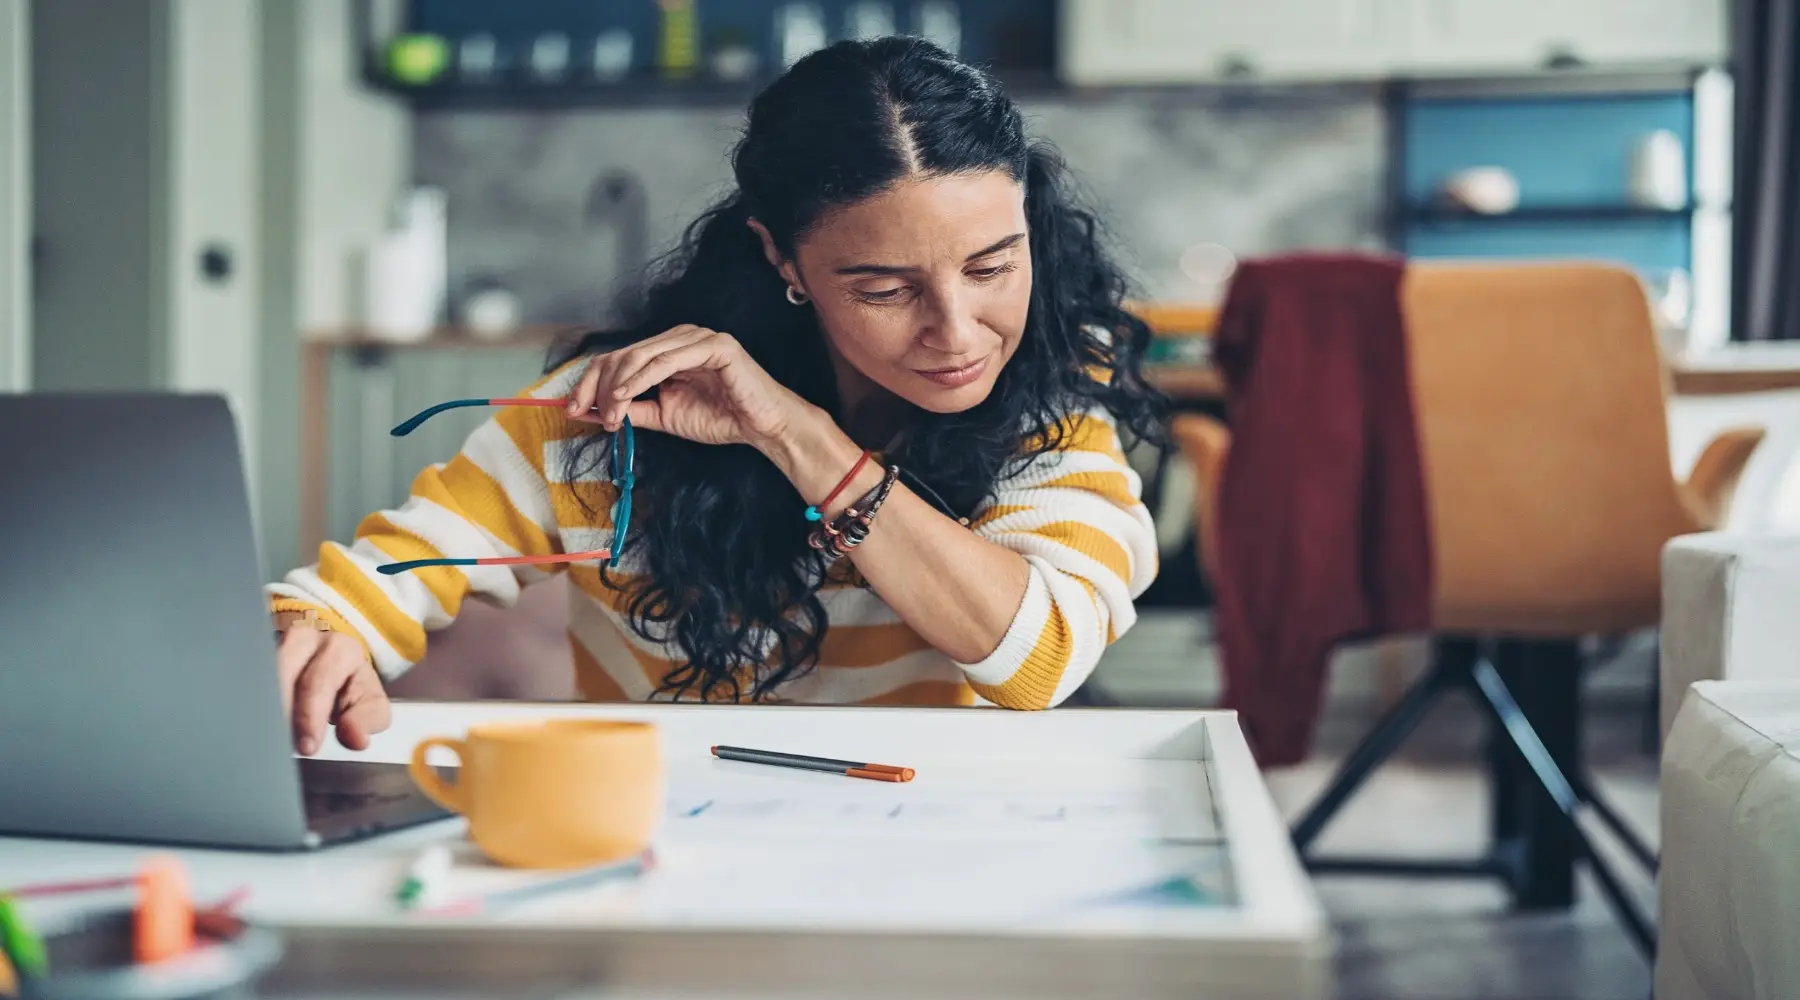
(163, 924)
(1177, 319)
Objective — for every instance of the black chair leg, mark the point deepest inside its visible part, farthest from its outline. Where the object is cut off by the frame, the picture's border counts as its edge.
(1376, 747)
(1511, 718)
(1616, 823)
(1650, 740)
(1544, 680)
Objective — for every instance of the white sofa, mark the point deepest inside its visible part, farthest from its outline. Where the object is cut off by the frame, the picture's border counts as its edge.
(1729, 884)
(1731, 611)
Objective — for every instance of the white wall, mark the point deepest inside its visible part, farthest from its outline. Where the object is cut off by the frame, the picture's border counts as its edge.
(356, 158)
(334, 157)
(15, 195)
(212, 197)
(278, 398)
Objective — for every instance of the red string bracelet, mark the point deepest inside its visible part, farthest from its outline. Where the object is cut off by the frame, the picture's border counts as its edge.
(815, 512)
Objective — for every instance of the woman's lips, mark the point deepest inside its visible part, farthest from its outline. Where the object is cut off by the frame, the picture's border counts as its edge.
(956, 377)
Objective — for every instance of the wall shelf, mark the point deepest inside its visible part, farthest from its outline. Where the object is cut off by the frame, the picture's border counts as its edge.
(1436, 214)
(628, 92)
(1014, 39)
(640, 91)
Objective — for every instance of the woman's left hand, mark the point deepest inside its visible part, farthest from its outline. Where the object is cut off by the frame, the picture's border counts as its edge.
(711, 390)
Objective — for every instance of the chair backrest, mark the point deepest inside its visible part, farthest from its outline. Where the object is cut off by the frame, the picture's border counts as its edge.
(1541, 401)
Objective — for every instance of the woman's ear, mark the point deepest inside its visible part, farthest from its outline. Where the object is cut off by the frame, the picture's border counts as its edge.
(772, 255)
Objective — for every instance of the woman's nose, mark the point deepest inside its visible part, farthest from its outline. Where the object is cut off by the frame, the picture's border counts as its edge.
(953, 328)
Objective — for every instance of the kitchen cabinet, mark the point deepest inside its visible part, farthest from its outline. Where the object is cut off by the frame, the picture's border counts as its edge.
(1507, 36)
(1118, 42)
(1180, 41)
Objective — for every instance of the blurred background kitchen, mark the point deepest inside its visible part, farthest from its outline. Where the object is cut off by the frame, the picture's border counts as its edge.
(339, 211)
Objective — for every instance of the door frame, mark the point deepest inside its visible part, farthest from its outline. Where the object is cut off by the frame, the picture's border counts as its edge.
(15, 195)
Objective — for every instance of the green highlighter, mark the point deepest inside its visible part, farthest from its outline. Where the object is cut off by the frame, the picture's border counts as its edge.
(22, 946)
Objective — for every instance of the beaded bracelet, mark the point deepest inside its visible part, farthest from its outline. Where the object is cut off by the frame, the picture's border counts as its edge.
(846, 531)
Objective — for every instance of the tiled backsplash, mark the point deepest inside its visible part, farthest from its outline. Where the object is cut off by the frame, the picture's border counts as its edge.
(560, 206)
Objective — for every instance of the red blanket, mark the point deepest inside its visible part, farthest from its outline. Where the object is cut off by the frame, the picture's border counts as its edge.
(1322, 533)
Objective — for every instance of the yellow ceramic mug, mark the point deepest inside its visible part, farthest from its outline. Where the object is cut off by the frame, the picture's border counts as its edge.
(552, 794)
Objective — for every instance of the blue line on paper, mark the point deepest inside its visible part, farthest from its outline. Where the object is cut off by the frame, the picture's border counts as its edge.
(702, 807)
(895, 811)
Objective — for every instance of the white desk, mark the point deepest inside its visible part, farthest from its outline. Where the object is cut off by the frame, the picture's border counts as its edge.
(1021, 826)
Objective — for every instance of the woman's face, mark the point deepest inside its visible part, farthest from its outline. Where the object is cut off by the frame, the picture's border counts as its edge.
(924, 288)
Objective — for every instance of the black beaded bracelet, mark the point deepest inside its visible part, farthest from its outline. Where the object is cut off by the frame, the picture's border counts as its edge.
(847, 530)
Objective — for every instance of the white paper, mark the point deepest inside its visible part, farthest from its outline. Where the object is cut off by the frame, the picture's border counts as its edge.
(1167, 801)
(982, 844)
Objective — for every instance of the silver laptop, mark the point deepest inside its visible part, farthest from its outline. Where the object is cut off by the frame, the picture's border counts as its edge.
(138, 691)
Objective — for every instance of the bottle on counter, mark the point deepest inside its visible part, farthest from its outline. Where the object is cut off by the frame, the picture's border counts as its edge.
(799, 30)
(867, 19)
(940, 23)
(678, 41)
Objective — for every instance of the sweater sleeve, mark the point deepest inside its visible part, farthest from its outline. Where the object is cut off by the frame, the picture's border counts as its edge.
(1077, 516)
(493, 498)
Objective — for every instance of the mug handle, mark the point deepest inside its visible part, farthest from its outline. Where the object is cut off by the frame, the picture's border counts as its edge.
(444, 793)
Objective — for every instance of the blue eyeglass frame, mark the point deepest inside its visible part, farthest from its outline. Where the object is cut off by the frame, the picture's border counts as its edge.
(622, 473)
(622, 487)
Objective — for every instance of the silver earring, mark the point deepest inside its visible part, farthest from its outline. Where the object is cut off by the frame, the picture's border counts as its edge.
(796, 296)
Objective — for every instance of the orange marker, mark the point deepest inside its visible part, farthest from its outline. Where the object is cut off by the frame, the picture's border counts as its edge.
(163, 926)
(848, 768)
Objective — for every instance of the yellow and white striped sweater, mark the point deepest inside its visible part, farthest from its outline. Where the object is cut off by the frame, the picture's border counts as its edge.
(1075, 515)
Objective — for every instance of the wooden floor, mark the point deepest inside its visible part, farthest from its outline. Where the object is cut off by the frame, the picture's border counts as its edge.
(1434, 940)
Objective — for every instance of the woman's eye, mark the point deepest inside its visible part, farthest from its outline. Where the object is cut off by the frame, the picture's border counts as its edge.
(990, 273)
(881, 294)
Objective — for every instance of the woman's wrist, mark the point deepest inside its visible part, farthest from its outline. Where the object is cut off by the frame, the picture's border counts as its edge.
(815, 455)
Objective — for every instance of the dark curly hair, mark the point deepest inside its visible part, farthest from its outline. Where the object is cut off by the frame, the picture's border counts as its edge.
(726, 573)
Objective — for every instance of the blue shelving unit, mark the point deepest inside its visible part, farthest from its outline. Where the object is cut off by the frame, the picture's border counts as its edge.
(1571, 156)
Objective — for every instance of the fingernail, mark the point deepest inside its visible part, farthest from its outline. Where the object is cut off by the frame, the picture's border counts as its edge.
(309, 745)
(622, 392)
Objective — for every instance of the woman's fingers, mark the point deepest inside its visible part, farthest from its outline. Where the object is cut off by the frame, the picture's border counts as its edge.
(299, 641)
(699, 354)
(326, 679)
(581, 397)
(593, 400)
(362, 708)
(632, 366)
(647, 414)
(333, 664)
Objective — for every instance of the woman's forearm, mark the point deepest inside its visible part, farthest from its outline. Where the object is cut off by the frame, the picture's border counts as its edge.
(958, 591)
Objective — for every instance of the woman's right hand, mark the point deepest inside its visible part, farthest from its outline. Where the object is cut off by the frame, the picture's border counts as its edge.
(326, 679)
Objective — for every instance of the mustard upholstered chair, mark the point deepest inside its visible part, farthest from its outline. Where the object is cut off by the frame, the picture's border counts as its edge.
(1540, 394)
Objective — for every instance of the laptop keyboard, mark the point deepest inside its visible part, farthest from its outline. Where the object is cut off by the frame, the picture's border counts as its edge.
(337, 788)
(320, 803)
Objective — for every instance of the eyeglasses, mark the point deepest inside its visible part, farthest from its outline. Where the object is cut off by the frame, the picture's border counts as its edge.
(623, 476)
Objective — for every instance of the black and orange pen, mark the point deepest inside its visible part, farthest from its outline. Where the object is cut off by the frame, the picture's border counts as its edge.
(848, 768)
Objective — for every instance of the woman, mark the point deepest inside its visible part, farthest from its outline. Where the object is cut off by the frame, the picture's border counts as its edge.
(899, 271)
